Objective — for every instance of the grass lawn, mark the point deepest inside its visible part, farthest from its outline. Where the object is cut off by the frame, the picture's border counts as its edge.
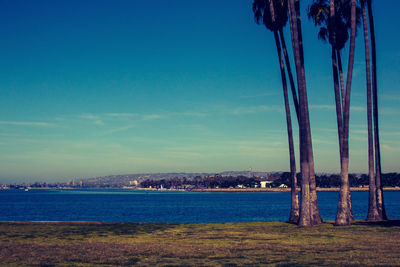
(213, 244)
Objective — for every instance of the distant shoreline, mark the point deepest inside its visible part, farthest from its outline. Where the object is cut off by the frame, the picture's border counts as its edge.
(319, 189)
(228, 190)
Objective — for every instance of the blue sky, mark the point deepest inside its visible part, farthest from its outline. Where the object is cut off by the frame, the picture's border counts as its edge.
(90, 88)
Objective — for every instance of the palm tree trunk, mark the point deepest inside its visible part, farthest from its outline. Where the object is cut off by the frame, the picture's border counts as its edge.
(378, 168)
(373, 214)
(294, 211)
(305, 219)
(290, 74)
(338, 100)
(351, 215)
(315, 214)
(335, 56)
(340, 127)
(338, 105)
(344, 213)
(339, 60)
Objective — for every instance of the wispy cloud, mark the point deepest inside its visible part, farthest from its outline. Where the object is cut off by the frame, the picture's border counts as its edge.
(332, 107)
(324, 141)
(258, 95)
(389, 111)
(116, 130)
(357, 108)
(326, 129)
(28, 123)
(322, 107)
(121, 115)
(390, 134)
(94, 118)
(386, 147)
(207, 148)
(152, 117)
(390, 97)
(136, 115)
(88, 116)
(255, 109)
(193, 114)
(359, 131)
(254, 144)
(156, 115)
(241, 110)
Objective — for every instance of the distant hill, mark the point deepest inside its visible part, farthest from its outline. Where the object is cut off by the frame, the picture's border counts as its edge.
(125, 179)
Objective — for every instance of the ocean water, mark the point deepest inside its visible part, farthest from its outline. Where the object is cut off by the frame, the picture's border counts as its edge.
(167, 206)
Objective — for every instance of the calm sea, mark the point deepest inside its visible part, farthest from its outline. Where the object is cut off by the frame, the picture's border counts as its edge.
(140, 206)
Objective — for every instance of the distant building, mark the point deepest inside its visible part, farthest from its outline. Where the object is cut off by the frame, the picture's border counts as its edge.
(265, 183)
(133, 183)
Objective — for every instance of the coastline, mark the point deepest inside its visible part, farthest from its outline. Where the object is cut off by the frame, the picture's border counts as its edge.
(232, 190)
(319, 189)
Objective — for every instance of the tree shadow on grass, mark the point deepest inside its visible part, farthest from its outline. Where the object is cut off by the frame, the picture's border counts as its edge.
(119, 229)
(65, 230)
(134, 228)
(389, 223)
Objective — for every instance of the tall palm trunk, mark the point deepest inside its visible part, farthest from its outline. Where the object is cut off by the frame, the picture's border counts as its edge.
(338, 100)
(373, 214)
(339, 61)
(305, 219)
(340, 124)
(378, 169)
(343, 101)
(315, 214)
(290, 74)
(294, 211)
(344, 214)
(335, 57)
(339, 117)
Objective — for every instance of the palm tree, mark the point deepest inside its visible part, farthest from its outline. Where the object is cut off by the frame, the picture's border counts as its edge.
(335, 18)
(344, 214)
(315, 214)
(308, 210)
(259, 9)
(289, 71)
(373, 214)
(274, 17)
(378, 168)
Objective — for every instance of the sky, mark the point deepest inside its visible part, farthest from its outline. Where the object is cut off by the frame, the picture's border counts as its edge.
(92, 88)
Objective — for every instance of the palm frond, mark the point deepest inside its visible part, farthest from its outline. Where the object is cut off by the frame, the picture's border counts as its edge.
(262, 13)
(258, 10)
(323, 34)
(319, 13)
